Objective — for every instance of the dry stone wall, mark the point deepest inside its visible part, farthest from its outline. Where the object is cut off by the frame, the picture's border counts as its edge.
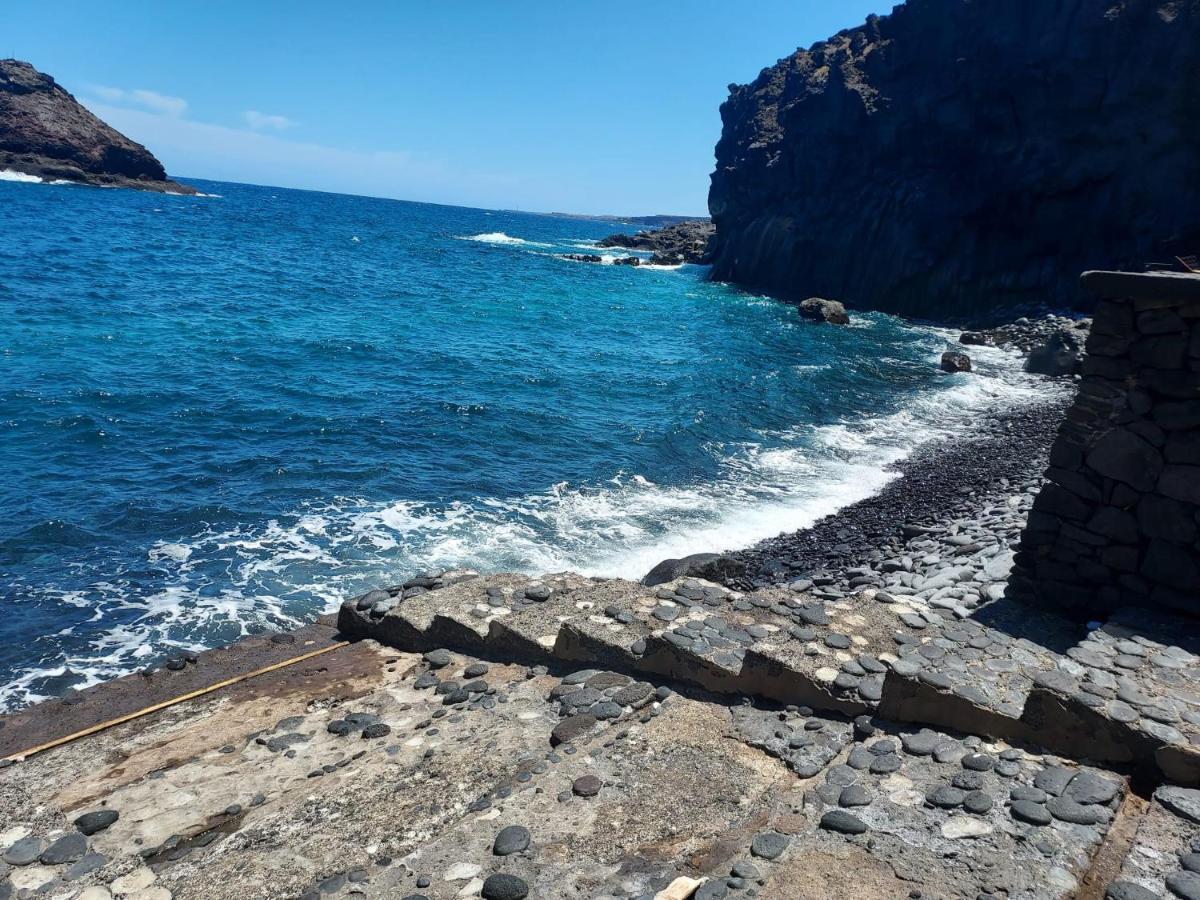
(1118, 522)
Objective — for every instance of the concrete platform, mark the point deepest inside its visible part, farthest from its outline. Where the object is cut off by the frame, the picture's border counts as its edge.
(671, 742)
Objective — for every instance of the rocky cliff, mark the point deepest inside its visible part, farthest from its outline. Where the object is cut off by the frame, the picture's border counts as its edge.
(963, 159)
(44, 131)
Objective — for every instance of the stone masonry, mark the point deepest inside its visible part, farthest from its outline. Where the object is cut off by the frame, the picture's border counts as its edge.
(1118, 522)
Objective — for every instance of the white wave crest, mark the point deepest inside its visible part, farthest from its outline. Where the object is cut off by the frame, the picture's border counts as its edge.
(13, 175)
(499, 237)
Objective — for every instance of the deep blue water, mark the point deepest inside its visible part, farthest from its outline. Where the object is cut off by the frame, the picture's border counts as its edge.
(225, 413)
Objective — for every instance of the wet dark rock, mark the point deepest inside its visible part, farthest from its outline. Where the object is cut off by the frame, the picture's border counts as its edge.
(502, 886)
(85, 865)
(91, 822)
(24, 851)
(709, 566)
(1088, 787)
(1067, 810)
(512, 839)
(1060, 354)
(769, 844)
(854, 795)
(820, 310)
(953, 361)
(67, 848)
(438, 659)
(1184, 884)
(1181, 801)
(1032, 813)
(586, 786)
(1129, 890)
(843, 822)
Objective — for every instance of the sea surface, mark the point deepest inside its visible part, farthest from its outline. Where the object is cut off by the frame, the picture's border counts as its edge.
(224, 414)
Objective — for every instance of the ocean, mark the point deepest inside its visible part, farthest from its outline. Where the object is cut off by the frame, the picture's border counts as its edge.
(224, 414)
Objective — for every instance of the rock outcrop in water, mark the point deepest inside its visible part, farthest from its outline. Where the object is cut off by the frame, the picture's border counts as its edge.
(44, 131)
(682, 242)
(965, 159)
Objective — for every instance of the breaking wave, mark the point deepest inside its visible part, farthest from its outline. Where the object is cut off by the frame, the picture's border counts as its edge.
(280, 574)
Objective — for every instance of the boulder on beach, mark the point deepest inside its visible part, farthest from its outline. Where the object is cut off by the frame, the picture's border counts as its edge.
(1060, 354)
(820, 310)
(709, 566)
(976, 339)
(953, 361)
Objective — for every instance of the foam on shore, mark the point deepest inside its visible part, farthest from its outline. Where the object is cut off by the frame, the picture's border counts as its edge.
(278, 575)
(13, 175)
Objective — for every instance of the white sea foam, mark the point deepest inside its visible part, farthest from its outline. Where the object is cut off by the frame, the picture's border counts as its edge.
(12, 175)
(273, 575)
(499, 237)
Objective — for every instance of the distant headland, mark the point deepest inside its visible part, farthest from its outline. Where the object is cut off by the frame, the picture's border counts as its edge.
(47, 133)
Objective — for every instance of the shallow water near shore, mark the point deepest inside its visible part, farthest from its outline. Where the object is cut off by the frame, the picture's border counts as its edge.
(226, 413)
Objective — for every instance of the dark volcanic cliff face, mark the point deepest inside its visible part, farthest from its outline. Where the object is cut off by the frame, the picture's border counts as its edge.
(965, 159)
(44, 131)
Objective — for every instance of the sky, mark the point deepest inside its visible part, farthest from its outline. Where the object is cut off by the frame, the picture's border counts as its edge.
(527, 104)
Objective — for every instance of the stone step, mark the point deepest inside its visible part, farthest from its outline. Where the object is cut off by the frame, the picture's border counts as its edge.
(1007, 672)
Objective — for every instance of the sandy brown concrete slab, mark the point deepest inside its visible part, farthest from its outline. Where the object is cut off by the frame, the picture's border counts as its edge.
(79, 710)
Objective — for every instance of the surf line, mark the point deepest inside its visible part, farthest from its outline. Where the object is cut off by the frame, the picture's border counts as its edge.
(129, 717)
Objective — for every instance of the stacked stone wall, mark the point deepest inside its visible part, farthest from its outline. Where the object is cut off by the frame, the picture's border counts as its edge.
(1118, 522)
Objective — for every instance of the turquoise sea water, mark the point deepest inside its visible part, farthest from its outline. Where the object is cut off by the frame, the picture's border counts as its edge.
(221, 414)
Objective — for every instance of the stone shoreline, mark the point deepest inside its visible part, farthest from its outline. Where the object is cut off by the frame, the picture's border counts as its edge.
(967, 495)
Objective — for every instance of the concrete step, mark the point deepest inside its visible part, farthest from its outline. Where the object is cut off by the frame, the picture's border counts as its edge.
(1006, 672)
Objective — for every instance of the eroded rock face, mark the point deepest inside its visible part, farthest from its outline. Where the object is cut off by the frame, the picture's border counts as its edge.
(44, 131)
(963, 160)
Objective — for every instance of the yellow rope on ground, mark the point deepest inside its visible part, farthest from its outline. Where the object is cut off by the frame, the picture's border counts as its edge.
(129, 717)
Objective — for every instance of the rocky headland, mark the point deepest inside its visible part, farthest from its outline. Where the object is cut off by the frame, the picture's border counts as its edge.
(964, 161)
(47, 133)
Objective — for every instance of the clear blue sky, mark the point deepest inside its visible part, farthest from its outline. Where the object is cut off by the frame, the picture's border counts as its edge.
(563, 106)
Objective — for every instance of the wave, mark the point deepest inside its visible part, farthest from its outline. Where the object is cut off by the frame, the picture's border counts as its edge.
(221, 584)
(499, 237)
(13, 175)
